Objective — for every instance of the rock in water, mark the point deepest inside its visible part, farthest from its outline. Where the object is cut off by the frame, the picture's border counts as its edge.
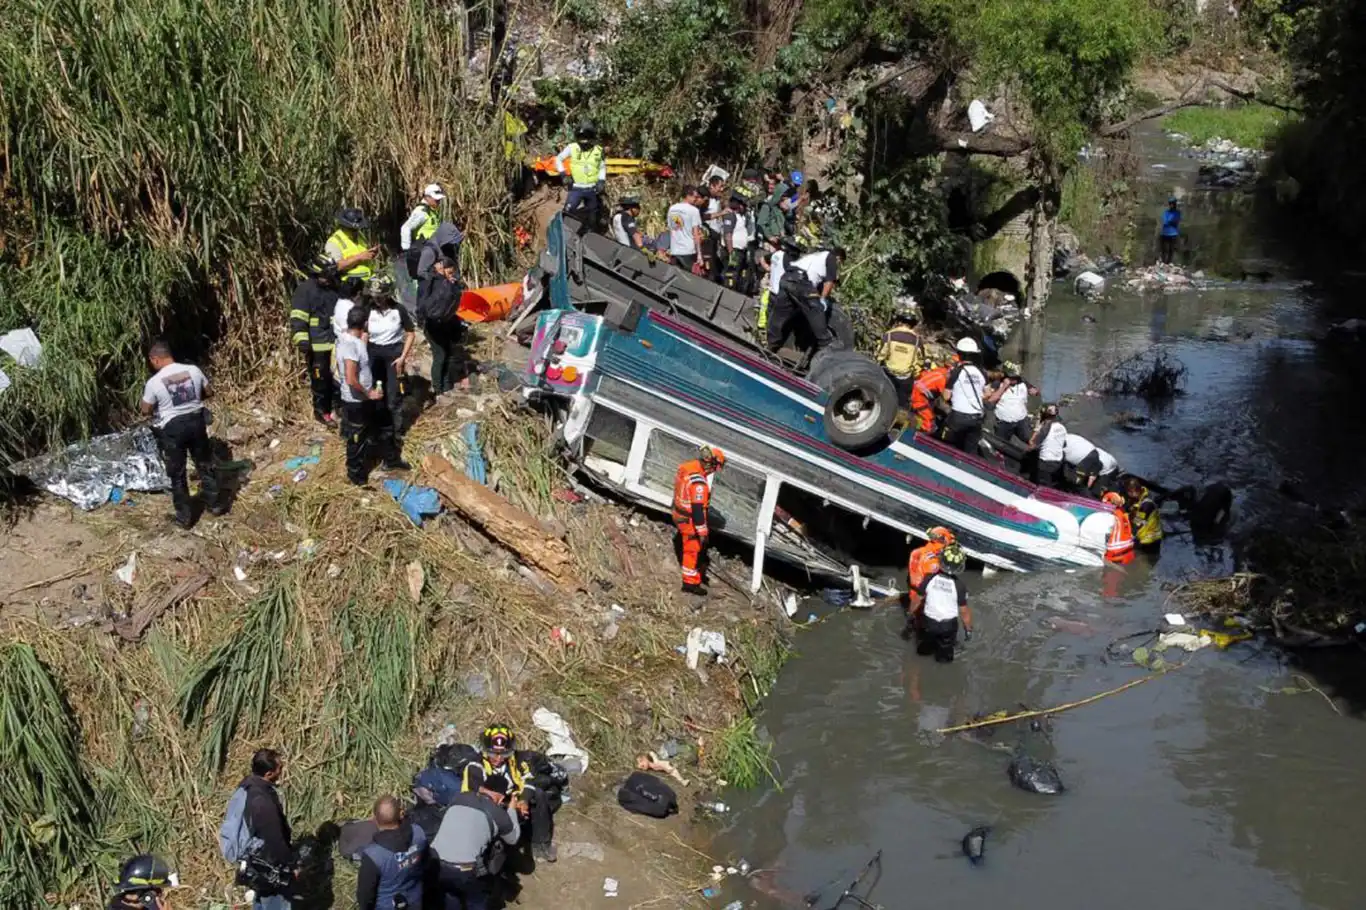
(1089, 285)
(975, 844)
(1034, 775)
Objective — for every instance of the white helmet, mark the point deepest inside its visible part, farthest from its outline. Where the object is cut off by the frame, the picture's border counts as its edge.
(967, 346)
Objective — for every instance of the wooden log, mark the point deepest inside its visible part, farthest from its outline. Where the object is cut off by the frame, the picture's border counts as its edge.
(517, 530)
(131, 629)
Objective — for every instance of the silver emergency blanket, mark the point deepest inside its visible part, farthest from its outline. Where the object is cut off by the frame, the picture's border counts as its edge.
(87, 472)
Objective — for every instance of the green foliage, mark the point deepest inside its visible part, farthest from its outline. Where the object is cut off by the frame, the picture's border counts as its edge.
(1277, 24)
(47, 828)
(678, 74)
(168, 162)
(742, 757)
(1067, 58)
(1248, 125)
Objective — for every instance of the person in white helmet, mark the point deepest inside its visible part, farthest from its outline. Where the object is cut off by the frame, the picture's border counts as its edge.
(968, 398)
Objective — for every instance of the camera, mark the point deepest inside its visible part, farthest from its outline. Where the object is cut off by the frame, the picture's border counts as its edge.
(261, 876)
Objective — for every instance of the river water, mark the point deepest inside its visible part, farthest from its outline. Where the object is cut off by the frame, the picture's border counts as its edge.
(1207, 787)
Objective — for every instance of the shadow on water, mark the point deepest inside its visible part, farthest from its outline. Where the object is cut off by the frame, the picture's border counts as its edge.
(1207, 786)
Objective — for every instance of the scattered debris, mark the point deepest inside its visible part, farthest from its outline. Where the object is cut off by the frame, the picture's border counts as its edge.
(704, 641)
(975, 844)
(128, 572)
(562, 748)
(416, 502)
(1153, 373)
(23, 346)
(979, 116)
(1034, 775)
(416, 578)
(1166, 277)
(609, 887)
(131, 629)
(300, 461)
(239, 573)
(87, 472)
(1089, 285)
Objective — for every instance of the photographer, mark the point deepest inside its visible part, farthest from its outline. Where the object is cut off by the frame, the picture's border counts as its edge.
(265, 821)
(142, 884)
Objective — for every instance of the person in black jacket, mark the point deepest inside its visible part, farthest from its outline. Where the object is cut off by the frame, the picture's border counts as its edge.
(392, 865)
(265, 819)
(310, 323)
(437, 302)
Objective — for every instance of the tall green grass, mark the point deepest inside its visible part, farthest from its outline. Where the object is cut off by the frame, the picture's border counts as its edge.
(167, 163)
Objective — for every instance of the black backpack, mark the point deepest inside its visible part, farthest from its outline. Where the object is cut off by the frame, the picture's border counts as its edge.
(438, 300)
(645, 794)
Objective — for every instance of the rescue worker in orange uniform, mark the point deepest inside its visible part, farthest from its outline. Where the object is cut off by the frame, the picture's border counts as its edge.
(928, 390)
(923, 563)
(1120, 547)
(692, 496)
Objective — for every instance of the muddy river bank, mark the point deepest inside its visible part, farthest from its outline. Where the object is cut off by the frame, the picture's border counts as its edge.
(1209, 786)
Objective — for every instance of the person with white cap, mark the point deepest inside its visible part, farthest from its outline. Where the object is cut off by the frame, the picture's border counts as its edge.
(420, 226)
(968, 397)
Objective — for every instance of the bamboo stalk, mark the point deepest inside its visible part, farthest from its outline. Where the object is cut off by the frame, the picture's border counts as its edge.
(1025, 715)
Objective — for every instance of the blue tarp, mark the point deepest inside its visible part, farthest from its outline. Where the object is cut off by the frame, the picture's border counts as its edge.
(416, 502)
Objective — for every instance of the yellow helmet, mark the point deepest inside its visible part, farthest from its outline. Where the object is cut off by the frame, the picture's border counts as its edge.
(952, 560)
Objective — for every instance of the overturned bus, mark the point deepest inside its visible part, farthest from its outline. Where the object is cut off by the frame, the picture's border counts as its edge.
(642, 364)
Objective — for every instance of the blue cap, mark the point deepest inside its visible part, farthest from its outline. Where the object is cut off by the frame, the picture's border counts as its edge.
(796, 178)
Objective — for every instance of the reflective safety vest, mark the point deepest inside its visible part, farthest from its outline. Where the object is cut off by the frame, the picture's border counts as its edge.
(924, 562)
(929, 385)
(1147, 519)
(585, 164)
(428, 227)
(1120, 546)
(350, 245)
(399, 873)
(900, 352)
(514, 773)
(692, 495)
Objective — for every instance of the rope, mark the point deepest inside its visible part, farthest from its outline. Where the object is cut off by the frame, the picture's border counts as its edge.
(991, 721)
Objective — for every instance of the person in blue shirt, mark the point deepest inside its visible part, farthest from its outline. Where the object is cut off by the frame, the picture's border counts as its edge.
(1171, 229)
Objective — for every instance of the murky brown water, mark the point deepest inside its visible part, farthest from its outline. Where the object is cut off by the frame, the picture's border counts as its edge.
(1197, 789)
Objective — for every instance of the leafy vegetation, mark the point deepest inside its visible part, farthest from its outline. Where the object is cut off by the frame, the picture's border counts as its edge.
(1246, 125)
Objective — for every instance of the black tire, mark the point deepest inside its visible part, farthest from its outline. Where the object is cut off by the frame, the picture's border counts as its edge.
(861, 408)
(1213, 510)
(828, 363)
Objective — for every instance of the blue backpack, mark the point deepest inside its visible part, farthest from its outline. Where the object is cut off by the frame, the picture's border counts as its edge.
(442, 783)
(235, 840)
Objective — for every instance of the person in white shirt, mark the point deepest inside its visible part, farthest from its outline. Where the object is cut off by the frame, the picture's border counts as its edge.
(807, 284)
(361, 402)
(685, 231)
(713, 240)
(174, 398)
(1090, 462)
(968, 397)
(1012, 405)
(737, 236)
(420, 226)
(390, 332)
(1049, 441)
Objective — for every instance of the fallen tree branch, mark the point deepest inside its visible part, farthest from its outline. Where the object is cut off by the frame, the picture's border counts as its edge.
(131, 629)
(1023, 715)
(1253, 97)
(514, 528)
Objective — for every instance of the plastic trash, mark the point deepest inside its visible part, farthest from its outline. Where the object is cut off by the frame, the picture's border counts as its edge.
(837, 597)
(735, 905)
(609, 887)
(128, 572)
(704, 641)
(300, 476)
(562, 746)
(299, 461)
(1089, 284)
(416, 502)
(239, 573)
(476, 468)
(4, 381)
(979, 116)
(23, 346)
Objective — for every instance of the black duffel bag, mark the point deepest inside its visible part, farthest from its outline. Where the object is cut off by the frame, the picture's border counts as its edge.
(645, 794)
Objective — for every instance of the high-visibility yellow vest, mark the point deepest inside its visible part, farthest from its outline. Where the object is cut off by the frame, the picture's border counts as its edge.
(428, 227)
(901, 353)
(585, 164)
(350, 245)
(1147, 527)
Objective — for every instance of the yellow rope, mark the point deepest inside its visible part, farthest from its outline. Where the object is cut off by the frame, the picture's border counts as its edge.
(990, 721)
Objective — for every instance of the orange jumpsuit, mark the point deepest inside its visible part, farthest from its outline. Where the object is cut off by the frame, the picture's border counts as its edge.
(929, 386)
(1120, 547)
(692, 495)
(923, 563)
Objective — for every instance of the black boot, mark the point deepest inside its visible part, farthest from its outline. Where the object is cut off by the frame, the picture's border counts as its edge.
(697, 590)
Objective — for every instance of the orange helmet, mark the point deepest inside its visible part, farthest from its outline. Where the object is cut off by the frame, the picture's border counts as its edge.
(1113, 499)
(942, 535)
(711, 456)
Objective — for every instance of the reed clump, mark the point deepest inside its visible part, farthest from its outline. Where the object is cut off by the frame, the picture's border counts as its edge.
(167, 166)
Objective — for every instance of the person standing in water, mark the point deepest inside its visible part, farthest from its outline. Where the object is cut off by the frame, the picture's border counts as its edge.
(1171, 230)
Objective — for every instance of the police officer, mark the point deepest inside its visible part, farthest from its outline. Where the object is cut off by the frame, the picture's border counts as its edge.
(142, 885)
(175, 395)
(310, 323)
(587, 168)
(392, 865)
(420, 226)
(471, 844)
(347, 248)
